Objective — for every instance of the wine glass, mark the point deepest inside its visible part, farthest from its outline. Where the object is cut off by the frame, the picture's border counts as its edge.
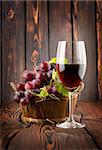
(71, 74)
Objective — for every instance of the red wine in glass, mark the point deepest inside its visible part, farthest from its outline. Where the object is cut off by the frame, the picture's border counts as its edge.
(71, 74)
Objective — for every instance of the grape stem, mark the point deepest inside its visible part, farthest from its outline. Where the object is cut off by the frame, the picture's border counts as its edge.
(42, 99)
(13, 85)
(32, 92)
(54, 97)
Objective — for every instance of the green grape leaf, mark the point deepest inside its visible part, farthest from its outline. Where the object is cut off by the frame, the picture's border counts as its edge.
(61, 89)
(43, 92)
(54, 59)
(54, 75)
(65, 92)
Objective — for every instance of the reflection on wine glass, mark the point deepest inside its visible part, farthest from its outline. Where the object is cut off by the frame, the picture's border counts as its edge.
(71, 74)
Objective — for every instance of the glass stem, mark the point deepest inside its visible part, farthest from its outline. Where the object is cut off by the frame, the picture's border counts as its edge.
(71, 105)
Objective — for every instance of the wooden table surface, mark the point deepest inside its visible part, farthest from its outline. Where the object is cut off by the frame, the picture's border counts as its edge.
(15, 135)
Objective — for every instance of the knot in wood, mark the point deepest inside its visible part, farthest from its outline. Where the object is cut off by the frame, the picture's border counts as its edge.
(11, 14)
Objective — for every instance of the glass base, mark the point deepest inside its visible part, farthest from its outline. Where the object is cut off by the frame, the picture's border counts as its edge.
(69, 124)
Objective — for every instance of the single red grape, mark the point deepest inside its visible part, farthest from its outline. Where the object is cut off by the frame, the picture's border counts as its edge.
(36, 91)
(40, 76)
(44, 66)
(36, 83)
(28, 75)
(20, 86)
(24, 101)
(28, 85)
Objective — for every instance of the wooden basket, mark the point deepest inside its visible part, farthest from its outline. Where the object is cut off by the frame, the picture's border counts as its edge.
(51, 109)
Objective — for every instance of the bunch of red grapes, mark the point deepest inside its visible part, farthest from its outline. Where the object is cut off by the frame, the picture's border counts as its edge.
(34, 80)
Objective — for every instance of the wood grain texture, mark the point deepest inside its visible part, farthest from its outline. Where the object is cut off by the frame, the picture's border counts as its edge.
(0, 52)
(48, 137)
(84, 29)
(99, 41)
(36, 30)
(88, 113)
(93, 120)
(60, 26)
(16, 135)
(13, 48)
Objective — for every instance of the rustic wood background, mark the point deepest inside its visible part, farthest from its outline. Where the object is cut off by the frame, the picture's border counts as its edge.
(39, 25)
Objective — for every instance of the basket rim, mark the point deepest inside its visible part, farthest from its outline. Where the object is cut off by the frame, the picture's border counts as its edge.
(48, 98)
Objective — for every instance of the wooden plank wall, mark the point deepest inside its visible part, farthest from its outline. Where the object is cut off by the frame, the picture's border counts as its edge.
(39, 25)
(0, 53)
(60, 29)
(99, 41)
(36, 30)
(84, 29)
(13, 46)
